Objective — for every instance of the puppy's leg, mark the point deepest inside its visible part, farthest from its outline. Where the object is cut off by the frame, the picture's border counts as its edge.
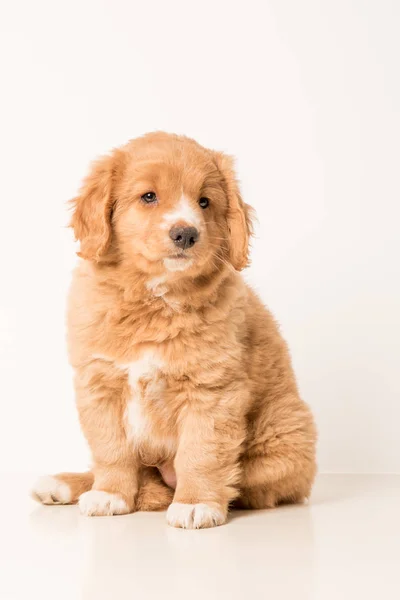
(153, 494)
(101, 405)
(279, 464)
(63, 488)
(206, 463)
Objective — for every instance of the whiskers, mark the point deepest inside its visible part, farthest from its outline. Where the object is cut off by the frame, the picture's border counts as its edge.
(219, 261)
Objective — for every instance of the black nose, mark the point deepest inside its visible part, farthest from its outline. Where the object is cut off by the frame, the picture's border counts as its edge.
(184, 237)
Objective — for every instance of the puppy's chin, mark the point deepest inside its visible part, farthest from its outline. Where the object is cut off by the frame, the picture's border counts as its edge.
(178, 264)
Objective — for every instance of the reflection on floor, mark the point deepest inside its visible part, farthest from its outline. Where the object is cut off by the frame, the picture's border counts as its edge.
(344, 544)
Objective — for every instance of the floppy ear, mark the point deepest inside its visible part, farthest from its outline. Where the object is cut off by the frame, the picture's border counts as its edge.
(239, 214)
(91, 219)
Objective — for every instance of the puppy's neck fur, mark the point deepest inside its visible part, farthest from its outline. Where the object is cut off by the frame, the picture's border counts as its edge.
(169, 291)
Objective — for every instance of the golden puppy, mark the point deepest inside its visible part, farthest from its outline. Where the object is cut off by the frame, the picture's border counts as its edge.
(184, 385)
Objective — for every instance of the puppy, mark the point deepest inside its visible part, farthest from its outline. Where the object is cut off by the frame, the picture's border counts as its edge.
(184, 385)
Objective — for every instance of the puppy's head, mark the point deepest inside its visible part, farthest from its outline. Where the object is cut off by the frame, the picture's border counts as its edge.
(163, 203)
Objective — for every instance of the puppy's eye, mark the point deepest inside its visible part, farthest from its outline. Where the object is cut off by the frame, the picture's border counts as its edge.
(204, 202)
(149, 197)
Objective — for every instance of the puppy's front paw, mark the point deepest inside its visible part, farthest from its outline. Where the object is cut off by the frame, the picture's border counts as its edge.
(97, 503)
(194, 516)
(50, 490)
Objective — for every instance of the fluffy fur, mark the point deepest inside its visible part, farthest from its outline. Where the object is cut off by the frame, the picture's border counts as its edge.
(184, 385)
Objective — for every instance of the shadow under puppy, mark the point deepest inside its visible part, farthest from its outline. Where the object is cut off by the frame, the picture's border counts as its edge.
(184, 385)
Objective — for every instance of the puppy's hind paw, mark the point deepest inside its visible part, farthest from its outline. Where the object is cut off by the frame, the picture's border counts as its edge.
(50, 490)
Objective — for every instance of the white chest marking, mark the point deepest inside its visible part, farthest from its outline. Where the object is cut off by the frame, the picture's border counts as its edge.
(156, 286)
(139, 372)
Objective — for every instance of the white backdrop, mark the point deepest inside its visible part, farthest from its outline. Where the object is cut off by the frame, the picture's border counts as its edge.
(306, 95)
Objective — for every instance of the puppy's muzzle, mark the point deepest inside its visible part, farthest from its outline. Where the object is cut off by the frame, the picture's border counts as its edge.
(184, 237)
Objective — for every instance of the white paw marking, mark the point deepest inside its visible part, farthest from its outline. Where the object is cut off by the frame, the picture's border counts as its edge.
(97, 503)
(194, 516)
(50, 490)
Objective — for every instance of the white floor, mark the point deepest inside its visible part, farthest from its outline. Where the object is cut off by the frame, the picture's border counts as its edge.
(344, 544)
